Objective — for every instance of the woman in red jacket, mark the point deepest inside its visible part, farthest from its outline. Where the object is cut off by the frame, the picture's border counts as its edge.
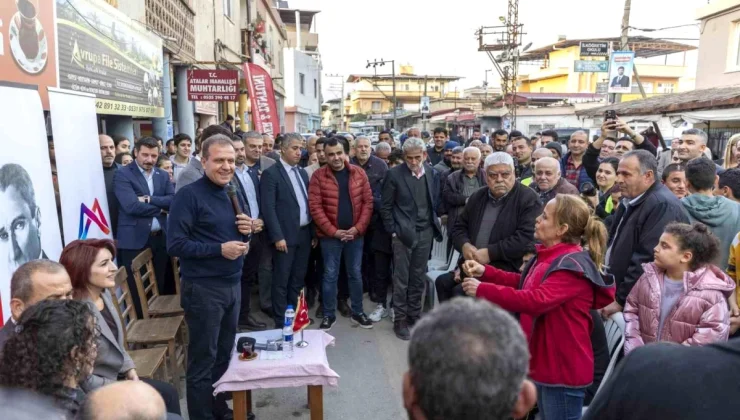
(553, 297)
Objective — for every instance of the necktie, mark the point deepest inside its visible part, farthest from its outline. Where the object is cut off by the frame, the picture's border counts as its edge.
(303, 189)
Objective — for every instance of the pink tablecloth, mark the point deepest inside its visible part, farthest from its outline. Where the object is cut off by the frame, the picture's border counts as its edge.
(308, 366)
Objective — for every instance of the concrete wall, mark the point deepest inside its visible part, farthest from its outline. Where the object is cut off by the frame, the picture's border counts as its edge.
(717, 53)
(227, 30)
(296, 63)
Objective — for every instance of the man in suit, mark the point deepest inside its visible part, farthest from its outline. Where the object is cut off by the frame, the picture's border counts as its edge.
(408, 209)
(284, 196)
(144, 194)
(249, 166)
(32, 282)
(620, 80)
(194, 169)
(107, 155)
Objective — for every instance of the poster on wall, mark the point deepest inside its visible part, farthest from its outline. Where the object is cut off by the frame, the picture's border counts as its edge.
(29, 225)
(104, 53)
(620, 71)
(81, 187)
(28, 44)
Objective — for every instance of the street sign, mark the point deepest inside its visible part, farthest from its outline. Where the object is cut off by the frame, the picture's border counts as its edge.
(594, 49)
(213, 85)
(424, 105)
(601, 88)
(583, 66)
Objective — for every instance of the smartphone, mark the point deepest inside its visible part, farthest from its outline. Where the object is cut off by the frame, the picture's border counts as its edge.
(611, 115)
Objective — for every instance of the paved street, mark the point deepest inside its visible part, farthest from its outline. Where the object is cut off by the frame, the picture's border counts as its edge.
(370, 364)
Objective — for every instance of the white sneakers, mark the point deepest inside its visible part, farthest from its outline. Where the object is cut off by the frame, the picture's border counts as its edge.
(379, 313)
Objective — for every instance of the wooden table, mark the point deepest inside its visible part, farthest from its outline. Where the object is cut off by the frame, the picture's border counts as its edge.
(243, 402)
(309, 367)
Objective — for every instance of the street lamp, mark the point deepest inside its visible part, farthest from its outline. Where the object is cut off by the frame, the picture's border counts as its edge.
(381, 63)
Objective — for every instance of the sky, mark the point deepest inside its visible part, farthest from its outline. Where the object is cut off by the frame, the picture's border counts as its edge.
(438, 37)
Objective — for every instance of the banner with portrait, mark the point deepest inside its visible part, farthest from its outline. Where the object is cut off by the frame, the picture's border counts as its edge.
(81, 187)
(621, 64)
(29, 225)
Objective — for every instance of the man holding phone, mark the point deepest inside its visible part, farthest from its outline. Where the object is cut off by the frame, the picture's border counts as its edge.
(611, 128)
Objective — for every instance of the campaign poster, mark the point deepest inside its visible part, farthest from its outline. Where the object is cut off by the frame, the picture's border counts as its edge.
(84, 203)
(29, 225)
(621, 64)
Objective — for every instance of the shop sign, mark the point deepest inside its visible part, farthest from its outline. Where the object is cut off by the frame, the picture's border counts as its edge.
(206, 108)
(105, 53)
(213, 85)
(594, 49)
(28, 45)
(584, 66)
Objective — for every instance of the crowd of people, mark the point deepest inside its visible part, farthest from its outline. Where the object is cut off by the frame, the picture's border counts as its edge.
(561, 234)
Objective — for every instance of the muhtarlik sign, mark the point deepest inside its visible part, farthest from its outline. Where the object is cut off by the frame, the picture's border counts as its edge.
(594, 49)
(213, 85)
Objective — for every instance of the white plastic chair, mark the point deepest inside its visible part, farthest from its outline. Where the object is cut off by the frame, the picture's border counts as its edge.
(614, 327)
(431, 276)
(439, 261)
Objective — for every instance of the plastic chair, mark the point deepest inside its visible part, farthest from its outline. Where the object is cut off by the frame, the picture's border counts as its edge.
(439, 260)
(614, 327)
(431, 276)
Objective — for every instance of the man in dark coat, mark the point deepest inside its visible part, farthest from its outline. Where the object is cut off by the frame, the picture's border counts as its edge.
(496, 226)
(647, 207)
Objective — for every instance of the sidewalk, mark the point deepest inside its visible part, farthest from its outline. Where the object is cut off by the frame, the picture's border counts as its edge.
(370, 364)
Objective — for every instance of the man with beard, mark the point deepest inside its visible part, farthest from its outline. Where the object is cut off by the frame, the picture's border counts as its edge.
(436, 152)
(500, 140)
(108, 154)
(446, 163)
(522, 149)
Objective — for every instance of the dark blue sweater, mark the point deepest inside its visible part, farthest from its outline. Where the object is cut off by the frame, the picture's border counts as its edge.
(201, 219)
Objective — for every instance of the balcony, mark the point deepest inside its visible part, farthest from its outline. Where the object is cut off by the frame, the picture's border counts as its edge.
(174, 18)
(309, 41)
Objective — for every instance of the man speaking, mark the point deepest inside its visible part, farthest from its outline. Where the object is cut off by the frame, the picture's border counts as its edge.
(211, 241)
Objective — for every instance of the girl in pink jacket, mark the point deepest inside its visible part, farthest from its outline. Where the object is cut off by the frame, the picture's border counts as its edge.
(682, 296)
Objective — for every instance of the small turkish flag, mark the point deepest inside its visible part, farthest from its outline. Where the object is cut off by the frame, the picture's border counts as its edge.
(301, 314)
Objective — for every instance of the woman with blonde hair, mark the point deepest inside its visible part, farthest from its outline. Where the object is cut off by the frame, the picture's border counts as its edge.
(732, 152)
(553, 298)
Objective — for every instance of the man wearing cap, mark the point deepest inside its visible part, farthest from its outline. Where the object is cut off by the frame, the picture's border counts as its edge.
(436, 153)
(445, 164)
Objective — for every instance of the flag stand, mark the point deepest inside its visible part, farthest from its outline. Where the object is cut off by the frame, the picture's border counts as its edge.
(302, 343)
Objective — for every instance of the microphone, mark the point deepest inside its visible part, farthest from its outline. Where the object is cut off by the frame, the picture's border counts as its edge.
(231, 192)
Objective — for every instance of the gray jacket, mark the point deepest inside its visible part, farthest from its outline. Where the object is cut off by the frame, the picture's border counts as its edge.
(113, 359)
(193, 172)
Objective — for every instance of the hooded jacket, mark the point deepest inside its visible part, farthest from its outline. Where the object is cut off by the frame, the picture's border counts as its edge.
(553, 297)
(700, 316)
(720, 214)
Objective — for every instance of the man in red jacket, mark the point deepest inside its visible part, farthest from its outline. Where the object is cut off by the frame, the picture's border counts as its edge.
(341, 205)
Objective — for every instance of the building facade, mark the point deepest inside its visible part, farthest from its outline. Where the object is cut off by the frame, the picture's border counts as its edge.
(719, 45)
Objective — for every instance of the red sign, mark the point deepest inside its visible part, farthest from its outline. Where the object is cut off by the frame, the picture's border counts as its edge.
(213, 85)
(262, 95)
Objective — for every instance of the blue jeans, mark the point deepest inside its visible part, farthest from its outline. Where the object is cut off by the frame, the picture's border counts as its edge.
(560, 403)
(332, 250)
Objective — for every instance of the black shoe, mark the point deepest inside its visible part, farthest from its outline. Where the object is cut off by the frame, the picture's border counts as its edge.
(362, 321)
(343, 308)
(401, 329)
(268, 312)
(412, 322)
(320, 311)
(252, 324)
(327, 323)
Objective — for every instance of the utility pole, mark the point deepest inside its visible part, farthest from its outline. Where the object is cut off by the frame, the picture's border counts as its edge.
(381, 62)
(423, 119)
(624, 41)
